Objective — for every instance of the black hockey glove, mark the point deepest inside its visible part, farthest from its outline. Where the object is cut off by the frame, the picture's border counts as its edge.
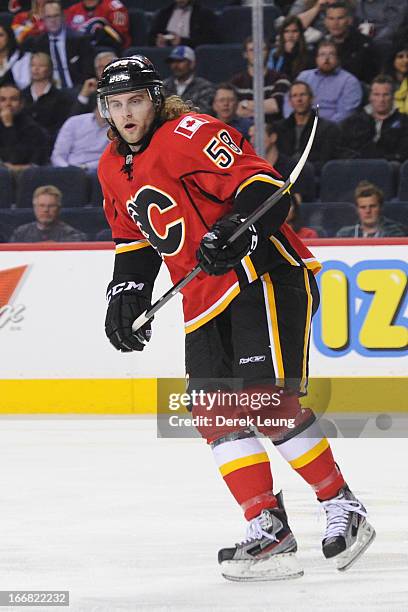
(126, 301)
(214, 257)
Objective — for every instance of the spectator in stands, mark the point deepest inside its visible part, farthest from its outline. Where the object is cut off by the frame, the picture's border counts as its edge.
(379, 130)
(290, 55)
(70, 51)
(105, 21)
(293, 219)
(281, 162)
(225, 106)
(184, 22)
(81, 141)
(47, 227)
(185, 83)
(355, 50)
(29, 23)
(372, 224)
(311, 14)
(23, 142)
(14, 64)
(85, 102)
(276, 85)
(380, 19)
(397, 68)
(337, 92)
(45, 103)
(294, 131)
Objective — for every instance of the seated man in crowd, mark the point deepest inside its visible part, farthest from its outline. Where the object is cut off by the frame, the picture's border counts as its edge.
(355, 50)
(294, 220)
(105, 21)
(225, 106)
(184, 22)
(23, 142)
(379, 130)
(47, 227)
(42, 100)
(294, 131)
(337, 92)
(185, 83)
(71, 52)
(281, 162)
(85, 102)
(81, 141)
(372, 224)
(276, 85)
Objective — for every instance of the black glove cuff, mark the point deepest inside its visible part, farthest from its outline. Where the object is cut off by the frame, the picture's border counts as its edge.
(128, 286)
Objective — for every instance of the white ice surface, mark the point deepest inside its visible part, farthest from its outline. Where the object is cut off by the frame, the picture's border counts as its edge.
(126, 521)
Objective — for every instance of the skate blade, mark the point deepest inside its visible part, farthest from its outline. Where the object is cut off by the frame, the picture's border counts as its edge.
(283, 566)
(365, 537)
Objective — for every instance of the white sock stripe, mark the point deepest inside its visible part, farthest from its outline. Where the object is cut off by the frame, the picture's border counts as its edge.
(236, 449)
(299, 445)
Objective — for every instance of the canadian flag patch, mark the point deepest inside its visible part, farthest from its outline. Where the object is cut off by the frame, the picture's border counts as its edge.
(189, 125)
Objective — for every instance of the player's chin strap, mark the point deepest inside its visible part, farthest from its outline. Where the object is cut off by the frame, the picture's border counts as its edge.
(143, 143)
(257, 214)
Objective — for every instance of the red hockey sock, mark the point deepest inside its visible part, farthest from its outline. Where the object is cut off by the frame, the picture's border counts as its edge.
(244, 465)
(310, 455)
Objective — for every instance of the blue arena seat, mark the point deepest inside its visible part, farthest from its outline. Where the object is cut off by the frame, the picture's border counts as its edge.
(330, 216)
(72, 181)
(10, 219)
(157, 55)
(90, 220)
(218, 63)
(403, 182)
(139, 26)
(104, 235)
(340, 178)
(96, 197)
(306, 183)
(235, 23)
(6, 188)
(398, 211)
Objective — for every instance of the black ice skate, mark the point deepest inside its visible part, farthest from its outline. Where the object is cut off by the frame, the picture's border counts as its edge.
(267, 553)
(348, 533)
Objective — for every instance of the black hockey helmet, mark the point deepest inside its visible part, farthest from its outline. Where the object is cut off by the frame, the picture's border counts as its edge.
(129, 74)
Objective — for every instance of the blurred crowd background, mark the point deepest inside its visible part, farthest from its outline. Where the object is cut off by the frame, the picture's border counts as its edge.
(350, 57)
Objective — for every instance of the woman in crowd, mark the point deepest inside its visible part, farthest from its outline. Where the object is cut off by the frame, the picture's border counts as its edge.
(290, 55)
(398, 69)
(14, 66)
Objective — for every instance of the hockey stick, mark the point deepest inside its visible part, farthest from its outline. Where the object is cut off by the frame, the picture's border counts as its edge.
(257, 214)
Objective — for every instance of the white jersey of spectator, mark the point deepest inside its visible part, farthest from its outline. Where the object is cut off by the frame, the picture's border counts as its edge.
(81, 141)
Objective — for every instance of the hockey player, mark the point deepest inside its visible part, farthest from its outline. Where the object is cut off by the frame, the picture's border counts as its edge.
(176, 185)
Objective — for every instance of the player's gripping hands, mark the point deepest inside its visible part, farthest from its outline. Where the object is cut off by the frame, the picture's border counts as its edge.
(215, 255)
(127, 299)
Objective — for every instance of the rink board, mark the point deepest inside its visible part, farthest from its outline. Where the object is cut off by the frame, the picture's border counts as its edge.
(54, 357)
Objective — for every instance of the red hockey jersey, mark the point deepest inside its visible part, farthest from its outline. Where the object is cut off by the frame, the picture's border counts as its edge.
(113, 12)
(184, 181)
